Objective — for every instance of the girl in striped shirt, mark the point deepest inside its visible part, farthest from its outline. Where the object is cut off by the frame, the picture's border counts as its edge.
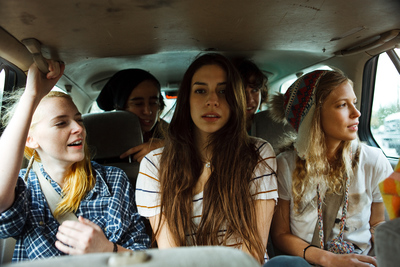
(211, 184)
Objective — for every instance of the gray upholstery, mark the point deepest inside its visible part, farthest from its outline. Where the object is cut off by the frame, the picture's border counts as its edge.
(111, 133)
(6, 250)
(266, 128)
(387, 243)
(217, 256)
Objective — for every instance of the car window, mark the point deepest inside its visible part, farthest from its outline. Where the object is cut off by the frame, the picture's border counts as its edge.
(385, 118)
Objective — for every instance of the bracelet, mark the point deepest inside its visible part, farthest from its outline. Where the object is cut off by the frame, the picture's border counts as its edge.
(115, 250)
(372, 228)
(304, 250)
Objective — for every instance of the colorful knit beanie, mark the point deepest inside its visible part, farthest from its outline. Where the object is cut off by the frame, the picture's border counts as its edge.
(299, 105)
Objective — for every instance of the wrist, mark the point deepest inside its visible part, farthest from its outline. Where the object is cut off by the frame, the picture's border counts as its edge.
(115, 247)
(326, 258)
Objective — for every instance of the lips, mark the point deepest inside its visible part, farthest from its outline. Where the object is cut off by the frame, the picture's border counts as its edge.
(211, 117)
(76, 143)
(145, 122)
(250, 109)
(353, 127)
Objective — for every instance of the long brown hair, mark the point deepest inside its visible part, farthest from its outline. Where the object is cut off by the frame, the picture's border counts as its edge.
(226, 197)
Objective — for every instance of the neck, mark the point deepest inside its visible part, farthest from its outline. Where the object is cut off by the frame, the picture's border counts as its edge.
(202, 145)
(57, 173)
(331, 150)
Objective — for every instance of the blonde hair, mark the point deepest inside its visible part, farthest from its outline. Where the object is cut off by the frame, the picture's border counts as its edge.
(315, 169)
(79, 181)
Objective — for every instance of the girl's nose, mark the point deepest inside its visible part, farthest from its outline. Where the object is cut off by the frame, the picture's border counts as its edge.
(355, 112)
(147, 110)
(212, 99)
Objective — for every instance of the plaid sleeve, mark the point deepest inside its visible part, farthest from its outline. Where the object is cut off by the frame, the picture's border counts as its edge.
(124, 224)
(12, 221)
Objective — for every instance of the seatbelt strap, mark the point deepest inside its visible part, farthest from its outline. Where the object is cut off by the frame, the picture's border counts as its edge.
(51, 196)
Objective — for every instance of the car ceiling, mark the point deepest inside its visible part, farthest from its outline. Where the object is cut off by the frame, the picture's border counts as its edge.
(96, 38)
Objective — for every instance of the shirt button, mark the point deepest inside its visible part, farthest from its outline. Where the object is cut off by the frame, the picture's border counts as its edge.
(41, 223)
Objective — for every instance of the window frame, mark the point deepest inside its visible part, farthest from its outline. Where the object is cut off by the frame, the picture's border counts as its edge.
(14, 78)
(367, 98)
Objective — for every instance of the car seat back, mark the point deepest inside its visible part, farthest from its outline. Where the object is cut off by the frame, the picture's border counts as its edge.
(111, 133)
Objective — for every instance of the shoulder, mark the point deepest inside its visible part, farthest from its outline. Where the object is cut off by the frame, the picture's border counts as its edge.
(103, 169)
(372, 159)
(288, 156)
(262, 146)
(108, 174)
(371, 155)
(153, 157)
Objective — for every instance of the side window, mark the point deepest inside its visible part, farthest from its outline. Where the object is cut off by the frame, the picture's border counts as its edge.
(385, 117)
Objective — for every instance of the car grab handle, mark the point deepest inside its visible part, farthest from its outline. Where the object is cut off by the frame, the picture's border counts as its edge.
(34, 47)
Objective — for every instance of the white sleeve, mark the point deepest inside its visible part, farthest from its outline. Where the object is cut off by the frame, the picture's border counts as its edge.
(264, 184)
(382, 170)
(148, 185)
(285, 171)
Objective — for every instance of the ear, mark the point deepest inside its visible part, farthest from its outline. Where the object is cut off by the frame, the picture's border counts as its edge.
(31, 143)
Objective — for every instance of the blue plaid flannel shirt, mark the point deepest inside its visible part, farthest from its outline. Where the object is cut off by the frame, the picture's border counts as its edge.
(110, 204)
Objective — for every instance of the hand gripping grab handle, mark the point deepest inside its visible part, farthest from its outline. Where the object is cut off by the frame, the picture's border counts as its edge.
(34, 47)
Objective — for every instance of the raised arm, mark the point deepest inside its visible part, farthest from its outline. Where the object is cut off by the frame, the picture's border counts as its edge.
(12, 141)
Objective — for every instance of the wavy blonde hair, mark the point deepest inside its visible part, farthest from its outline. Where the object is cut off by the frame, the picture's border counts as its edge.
(316, 169)
(79, 181)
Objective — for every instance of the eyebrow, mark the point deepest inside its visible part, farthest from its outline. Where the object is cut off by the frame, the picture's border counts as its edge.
(65, 116)
(142, 98)
(202, 83)
(345, 99)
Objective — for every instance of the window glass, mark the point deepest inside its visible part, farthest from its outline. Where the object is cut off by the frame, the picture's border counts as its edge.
(169, 108)
(2, 84)
(385, 119)
(95, 108)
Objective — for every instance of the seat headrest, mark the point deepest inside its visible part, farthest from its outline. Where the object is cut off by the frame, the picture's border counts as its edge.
(111, 133)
